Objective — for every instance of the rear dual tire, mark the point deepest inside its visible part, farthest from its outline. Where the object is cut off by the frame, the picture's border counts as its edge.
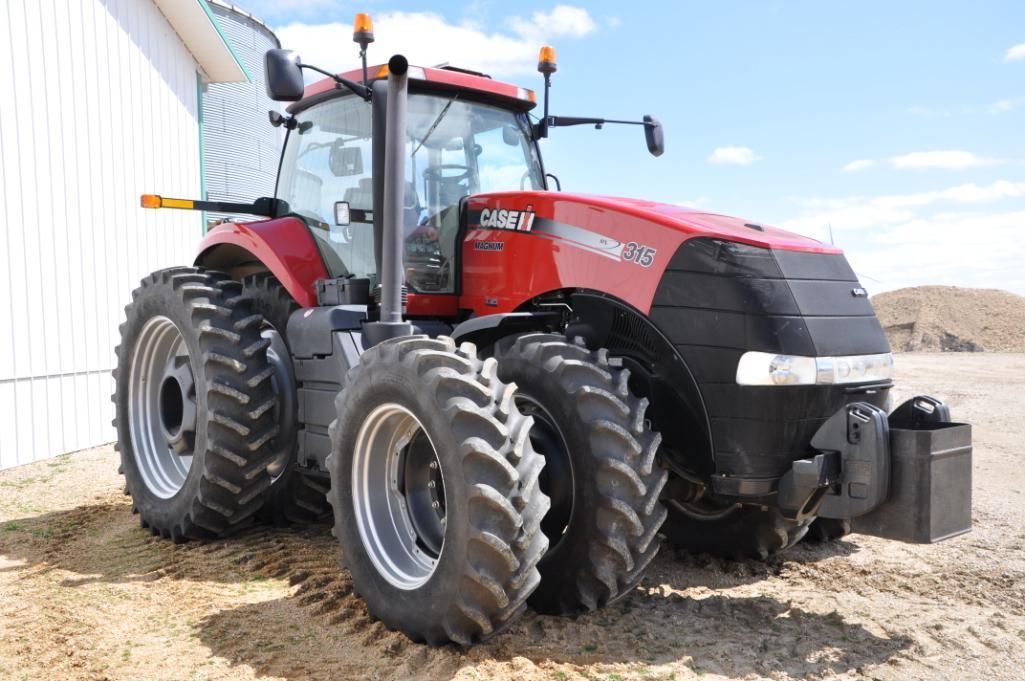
(295, 497)
(194, 404)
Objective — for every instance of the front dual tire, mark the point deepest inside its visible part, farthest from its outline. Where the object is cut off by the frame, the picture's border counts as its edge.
(435, 490)
(600, 469)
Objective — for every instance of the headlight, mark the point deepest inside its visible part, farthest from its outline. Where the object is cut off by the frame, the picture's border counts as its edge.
(765, 368)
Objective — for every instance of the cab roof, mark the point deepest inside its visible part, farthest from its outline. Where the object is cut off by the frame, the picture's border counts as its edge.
(444, 77)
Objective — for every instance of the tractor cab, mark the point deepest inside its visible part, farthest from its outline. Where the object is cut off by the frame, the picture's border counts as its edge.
(466, 134)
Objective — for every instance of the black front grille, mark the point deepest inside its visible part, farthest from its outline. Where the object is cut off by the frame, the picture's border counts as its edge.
(719, 299)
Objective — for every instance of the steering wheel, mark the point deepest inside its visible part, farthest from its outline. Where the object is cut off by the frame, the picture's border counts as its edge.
(523, 180)
(437, 172)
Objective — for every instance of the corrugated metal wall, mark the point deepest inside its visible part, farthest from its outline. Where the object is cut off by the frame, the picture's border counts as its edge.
(241, 148)
(99, 105)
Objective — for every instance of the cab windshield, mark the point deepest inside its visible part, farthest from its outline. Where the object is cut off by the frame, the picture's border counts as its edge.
(454, 148)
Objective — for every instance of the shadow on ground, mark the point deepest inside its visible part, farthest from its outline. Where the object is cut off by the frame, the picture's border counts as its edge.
(648, 629)
(321, 629)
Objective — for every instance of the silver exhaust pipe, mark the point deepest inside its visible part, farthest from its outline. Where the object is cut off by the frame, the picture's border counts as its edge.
(392, 276)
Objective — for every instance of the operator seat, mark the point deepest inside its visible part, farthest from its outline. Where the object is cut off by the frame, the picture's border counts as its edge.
(361, 197)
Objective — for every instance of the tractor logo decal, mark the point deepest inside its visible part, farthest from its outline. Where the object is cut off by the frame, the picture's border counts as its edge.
(516, 220)
(561, 232)
(488, 245)
(578, 237)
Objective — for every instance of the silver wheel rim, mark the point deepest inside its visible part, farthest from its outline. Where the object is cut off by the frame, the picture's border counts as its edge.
(398, 496)
(162, 407)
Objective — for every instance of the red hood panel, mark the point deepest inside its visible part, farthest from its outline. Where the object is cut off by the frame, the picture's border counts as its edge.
(688, 220)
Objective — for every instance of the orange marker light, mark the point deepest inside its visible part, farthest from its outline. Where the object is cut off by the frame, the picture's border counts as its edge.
(363, 29)
(150, 201)
(546, 60)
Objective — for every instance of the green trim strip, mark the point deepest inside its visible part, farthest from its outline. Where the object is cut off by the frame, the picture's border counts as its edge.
(231, 48)
(202, 146)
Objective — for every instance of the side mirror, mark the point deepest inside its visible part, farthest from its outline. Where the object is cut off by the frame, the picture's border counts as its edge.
(342, 217)
(345, 161)
(511, 136)
(283, 75)
(653, 136)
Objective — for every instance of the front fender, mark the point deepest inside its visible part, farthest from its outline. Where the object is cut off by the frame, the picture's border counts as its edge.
(486, 330)
(283, 245)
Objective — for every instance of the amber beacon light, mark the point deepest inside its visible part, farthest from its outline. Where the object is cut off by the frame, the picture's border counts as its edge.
(363, 30)
(546, 60)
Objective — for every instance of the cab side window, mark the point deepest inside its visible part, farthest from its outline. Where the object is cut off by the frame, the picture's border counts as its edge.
(329, 159)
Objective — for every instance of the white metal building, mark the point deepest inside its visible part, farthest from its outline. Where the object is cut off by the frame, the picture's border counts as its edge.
(101, 104)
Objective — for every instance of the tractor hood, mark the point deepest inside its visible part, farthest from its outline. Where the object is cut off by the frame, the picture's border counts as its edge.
(567, 207)
(617, 245)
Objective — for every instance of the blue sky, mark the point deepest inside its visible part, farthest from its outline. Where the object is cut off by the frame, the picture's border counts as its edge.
(900, 124)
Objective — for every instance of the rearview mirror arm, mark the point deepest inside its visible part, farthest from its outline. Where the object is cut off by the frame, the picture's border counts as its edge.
(563, 121)
(361, 90)
(652, 128)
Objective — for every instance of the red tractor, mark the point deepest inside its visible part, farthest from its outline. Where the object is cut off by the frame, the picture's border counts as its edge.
(504, 393)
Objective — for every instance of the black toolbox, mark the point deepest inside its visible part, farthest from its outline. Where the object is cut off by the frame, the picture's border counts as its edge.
(930, 495)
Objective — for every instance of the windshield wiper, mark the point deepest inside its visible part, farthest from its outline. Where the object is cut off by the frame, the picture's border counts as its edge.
(434, 125)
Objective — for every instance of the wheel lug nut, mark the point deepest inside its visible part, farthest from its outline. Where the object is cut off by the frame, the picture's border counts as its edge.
(434, 465)
(430, 484)
(435, 504)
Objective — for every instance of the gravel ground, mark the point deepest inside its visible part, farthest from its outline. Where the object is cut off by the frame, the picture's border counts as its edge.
(86, 594)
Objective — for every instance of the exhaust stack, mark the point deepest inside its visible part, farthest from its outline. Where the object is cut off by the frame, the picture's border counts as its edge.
(392, 176)
(394, 189)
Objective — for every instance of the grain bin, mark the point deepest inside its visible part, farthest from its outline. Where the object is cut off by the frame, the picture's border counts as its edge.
(240, 148)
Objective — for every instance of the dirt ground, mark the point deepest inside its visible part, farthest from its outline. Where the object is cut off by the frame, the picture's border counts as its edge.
(951, 318)
(86, 594)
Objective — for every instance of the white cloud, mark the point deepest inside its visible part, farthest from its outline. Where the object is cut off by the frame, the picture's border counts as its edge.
(427, 38)
(955, 249)
(964, 193)
(865, 213)
(1016, 53)
(941, 112)
(936, 237)
(695, 203)
(273, 11)
(948, 160)
(564, 20)
(1005, 105)
(736, 156)
(860, 164)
